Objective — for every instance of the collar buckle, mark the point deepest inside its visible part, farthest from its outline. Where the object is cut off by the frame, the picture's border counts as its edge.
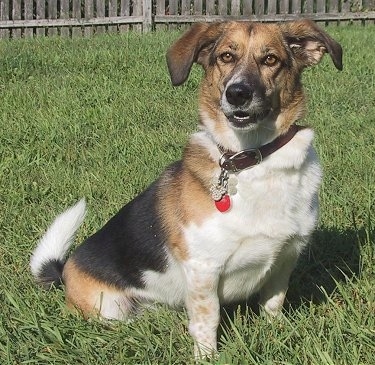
(241, 160)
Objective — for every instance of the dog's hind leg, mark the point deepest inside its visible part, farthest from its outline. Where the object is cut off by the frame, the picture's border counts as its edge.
(92, 297)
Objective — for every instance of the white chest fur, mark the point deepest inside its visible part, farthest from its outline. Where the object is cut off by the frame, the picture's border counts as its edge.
(272, 214)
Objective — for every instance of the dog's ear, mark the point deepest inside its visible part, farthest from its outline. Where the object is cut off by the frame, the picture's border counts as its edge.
(193, 46)
(309, 43)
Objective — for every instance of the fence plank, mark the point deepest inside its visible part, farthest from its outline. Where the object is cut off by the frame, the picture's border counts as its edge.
(76, 14)
(112, 12)
(185, 7)
(125, 11)
(88, 13)
(28, 15)
(51, 14)
(308, 7)
(284, 6)
(271, 7)
(160, 7)
(64, 14)
(222, 7)
(4, 15)
(198, 7)
(259, 7)
(16, 15)
(248, 7)
(320, 6)
(100, 13)
(296, 6)
(236, 7)
(147, 15)
(210, 7)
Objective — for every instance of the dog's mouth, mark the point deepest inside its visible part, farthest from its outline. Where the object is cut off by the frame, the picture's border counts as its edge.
(243, 120)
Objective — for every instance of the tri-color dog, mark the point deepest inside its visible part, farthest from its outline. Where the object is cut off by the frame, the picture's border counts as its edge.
(231, 218)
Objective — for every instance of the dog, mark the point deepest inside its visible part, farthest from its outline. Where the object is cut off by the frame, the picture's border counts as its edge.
(229, 219)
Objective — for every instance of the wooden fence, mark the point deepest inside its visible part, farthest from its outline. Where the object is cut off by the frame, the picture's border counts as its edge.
(30, 18)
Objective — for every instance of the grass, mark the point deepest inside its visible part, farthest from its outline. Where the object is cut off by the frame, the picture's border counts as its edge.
(98, 118)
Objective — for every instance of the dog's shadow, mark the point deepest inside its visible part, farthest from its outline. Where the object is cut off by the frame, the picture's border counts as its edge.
(333, 256)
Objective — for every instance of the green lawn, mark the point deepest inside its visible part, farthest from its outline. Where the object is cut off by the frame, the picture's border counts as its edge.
(98, 118)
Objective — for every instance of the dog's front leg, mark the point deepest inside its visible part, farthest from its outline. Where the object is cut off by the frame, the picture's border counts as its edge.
(273, 292)
(202, 304)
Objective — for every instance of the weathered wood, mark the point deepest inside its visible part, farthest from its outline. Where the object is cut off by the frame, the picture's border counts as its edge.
(284, 6)
(64, 14)
(124, 11)
(248, 7)
(272, 8)
(4, 15)
(236, 8)
(35, 23)
(52, 14)
(259, 7)
(100, 14)
(198, 7)
(88, 14)
(211, 7)
(223, 7)
(185, 7)
(309, 6)
(296, 6)
(320, 6)
(76, 14)
(112, 12)
(16, 15)
(28, 15)
(147, 16)
(266, 18)
(81, 17)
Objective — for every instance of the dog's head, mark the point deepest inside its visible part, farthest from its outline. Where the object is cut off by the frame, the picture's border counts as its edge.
(252, 70)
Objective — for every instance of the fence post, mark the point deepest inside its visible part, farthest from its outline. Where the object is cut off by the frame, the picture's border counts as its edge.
(147, 15)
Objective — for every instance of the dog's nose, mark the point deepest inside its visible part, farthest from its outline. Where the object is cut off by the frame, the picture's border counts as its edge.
(238, 94)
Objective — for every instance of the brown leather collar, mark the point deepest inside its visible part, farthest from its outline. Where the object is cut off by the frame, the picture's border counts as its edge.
(237, 161)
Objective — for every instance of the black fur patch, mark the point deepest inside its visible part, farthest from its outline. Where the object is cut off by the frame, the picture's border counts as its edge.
(129, 243)
(50, 274)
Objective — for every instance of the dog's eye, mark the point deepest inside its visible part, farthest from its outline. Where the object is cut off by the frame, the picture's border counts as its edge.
(227, 57)
(270, 60)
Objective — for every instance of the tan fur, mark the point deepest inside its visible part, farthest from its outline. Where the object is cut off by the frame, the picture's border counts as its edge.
(185, 198)
(249, 46)
(85, 293)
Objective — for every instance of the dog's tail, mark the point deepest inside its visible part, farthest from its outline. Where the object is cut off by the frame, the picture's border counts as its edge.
(48, 259)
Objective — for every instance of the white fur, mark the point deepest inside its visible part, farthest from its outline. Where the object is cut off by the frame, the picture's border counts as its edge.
(60, 235)
(253, 247)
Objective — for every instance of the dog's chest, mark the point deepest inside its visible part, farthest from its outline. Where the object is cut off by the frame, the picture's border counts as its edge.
(268, 208)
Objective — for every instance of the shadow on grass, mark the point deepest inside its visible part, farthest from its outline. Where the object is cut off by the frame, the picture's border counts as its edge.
(332, 256)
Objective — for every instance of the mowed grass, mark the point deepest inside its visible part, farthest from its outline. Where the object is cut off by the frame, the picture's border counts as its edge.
(98, 118)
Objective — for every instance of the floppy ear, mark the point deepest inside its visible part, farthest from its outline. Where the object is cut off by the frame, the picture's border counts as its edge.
(192, 47)
(309, 43)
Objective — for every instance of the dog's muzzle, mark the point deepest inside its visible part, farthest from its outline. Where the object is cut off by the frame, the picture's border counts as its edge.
(241, 105)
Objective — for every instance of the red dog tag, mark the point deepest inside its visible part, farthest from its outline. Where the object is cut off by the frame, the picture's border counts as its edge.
(223, 204)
